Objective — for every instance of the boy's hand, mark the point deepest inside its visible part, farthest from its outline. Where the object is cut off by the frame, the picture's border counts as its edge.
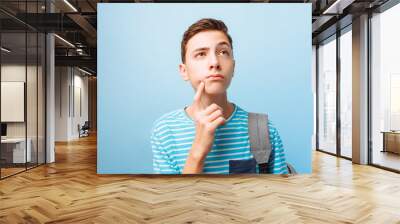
(207, 121)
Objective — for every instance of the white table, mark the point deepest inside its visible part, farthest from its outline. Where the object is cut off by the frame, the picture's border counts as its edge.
(19, 149)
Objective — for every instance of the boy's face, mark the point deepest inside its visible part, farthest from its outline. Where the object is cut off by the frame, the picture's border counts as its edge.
(209, 58)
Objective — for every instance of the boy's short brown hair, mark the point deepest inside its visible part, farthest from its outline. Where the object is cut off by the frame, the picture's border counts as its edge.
(200, 26)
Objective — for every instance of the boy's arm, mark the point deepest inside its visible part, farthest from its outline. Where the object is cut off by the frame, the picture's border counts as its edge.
(162, 164)
(277, 160)
(207, 119)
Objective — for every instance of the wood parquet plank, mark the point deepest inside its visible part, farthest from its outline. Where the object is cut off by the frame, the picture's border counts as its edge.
(70, 191)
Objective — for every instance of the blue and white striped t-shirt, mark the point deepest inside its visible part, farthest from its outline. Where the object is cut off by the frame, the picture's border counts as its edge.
(173, 134)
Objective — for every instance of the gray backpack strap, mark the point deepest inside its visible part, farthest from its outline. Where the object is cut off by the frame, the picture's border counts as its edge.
(259, 138)
(291, 169)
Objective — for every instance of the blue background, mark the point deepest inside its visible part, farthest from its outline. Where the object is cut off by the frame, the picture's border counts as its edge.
(138, 78)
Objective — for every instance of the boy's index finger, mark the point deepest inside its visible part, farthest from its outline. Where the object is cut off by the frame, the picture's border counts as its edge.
(199, 91)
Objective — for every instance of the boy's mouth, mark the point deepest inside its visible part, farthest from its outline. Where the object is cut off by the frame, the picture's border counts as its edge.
(215, 76)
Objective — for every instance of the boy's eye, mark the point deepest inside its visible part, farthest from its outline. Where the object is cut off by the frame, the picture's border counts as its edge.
(224, 52)
(200, 54)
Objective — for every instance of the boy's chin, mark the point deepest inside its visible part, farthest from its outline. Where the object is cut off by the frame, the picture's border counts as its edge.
(215, 90)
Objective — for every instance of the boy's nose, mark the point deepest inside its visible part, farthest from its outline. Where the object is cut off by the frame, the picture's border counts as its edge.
(214, 62)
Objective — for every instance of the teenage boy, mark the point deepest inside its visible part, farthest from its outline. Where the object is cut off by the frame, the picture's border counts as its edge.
(211, 133)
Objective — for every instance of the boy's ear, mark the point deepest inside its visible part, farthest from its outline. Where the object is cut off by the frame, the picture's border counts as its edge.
(183, 72)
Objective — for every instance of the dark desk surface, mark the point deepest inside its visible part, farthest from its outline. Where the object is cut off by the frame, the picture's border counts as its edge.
(391, 132)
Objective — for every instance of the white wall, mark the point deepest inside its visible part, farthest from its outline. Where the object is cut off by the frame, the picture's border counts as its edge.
(15, 72)
(70, 84)
(62, 81)
(79, 117)
(12, 73)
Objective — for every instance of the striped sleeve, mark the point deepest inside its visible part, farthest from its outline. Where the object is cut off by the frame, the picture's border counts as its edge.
(162, 164)
(277, 160)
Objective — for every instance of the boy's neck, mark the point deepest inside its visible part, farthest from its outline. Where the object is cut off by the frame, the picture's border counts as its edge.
(221, 100)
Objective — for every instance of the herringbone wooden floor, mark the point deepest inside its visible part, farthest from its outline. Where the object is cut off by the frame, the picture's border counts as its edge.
(70, 191)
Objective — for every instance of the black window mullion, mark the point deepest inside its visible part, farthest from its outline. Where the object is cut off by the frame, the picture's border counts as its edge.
(369, 91)
(317, 96)
(26, 87)
(338, 91)
(37, 90)
(45, 94)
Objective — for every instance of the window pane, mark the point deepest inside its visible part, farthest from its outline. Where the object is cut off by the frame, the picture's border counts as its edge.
(41, 98)
(31, 101)
(346, 93)
(386, 88)
(14, 153)
(327, 96)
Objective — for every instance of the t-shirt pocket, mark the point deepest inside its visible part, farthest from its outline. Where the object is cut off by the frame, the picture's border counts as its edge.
(242, 166)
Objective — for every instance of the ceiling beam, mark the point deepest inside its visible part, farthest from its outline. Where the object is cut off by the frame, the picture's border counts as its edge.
(84, 61)
(85, 25)
(337, 6)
